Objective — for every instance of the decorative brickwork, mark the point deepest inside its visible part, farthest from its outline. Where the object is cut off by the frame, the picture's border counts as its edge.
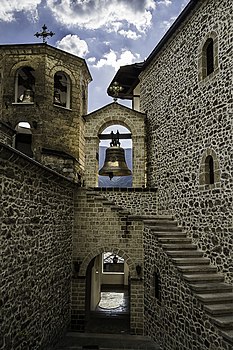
(187, 117)
(36, 247)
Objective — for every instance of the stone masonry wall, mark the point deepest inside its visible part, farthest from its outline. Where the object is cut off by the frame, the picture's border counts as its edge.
(190, 116)
(36, 251)
(103, 228)
(176, 320)
(138, 201)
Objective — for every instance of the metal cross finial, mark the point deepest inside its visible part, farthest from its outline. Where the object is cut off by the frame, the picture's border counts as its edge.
(44, 34)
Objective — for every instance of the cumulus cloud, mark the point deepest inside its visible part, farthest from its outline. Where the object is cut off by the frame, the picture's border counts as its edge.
(9, 8)
(167, 24)
(129, 34)
(165, 2)
(73, 44)
(111, 15)
(115, 60)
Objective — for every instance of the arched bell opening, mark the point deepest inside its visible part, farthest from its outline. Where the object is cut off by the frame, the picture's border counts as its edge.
(107, 294)
(23, 138)
(115, 157)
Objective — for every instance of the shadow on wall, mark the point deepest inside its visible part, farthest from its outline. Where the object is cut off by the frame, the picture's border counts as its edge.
(117, 181)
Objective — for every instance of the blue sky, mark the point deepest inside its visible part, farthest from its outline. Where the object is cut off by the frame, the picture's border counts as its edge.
(107, 33)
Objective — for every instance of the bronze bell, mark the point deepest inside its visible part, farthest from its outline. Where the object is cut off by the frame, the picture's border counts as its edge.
(115, 164)
(27, 96)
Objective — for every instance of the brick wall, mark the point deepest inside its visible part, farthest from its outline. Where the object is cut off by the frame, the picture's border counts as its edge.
(36, 248)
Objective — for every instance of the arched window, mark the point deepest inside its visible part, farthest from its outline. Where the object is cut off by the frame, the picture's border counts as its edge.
(25, 85)
(62, 90)
(208, 56)
(23, 138)
(209, 170)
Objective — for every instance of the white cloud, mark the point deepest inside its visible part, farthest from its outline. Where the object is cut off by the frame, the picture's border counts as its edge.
(91, 59)
(167, 24)
(73, 44)
(111, 15)
(129, 34)
(9, 8)
(116, 60)
(165, 2)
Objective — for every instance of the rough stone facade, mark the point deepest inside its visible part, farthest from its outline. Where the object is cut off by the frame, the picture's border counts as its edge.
(190, 117)
(137, 201)
(99, 120)
(176, 320)
(36, 252)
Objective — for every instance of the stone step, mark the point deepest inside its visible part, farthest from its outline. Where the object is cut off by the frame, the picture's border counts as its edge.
(191, 261)
(219, 309)
(210, 287)
(204, 277)
(185, 253)
(160, 223)
(197, 269)
(174, 240)
(213, 297)
(228, 335)
(170, 234)
(159, 218)
(224, 322)
(161, 228)
(179, 247)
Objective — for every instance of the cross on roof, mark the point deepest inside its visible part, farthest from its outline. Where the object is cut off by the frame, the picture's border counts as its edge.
(44, 34)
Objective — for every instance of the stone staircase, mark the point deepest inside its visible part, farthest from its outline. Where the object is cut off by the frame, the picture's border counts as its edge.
(205, 282)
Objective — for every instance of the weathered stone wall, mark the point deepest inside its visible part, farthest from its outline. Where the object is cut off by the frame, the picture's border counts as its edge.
(115, 114)
(52, 126)
(190, 115)
(176, 320)
(36, 252)
(103, 228)
(138, 201)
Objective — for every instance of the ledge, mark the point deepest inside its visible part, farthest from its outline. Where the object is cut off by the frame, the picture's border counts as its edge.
(124, 189)
(11, 154)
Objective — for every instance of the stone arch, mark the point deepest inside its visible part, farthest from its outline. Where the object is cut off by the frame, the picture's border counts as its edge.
(61, 68)
(112, 114)
(210, 39)
(131, 264)
(209, 155)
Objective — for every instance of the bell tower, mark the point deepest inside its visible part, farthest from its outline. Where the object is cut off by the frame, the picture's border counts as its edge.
(46, 88)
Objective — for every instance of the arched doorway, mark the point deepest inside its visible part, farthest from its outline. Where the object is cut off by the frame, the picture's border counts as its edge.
(107, 294)
(126, 144)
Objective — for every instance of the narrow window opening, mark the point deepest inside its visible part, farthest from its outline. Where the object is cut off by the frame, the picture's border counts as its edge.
(61, 90)
(23, 138)
(25, 85)
(209, 171)
(209, 57)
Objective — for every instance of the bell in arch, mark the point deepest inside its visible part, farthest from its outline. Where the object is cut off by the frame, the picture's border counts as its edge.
(115, 164)
(27, 96)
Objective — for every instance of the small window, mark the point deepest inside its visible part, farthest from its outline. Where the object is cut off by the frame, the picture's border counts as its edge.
(209, 170)
(61, 90)
(25, 85)
(23, 138)
(209, 53)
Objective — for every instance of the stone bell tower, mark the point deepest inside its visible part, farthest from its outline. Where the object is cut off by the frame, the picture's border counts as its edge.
(46, 88)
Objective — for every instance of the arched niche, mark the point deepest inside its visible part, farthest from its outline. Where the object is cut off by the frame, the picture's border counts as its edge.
(23, 138)
(126, 144)
(99, 120)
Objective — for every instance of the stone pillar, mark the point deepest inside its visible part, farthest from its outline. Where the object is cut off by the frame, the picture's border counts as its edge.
(139, 161)
(136, 306)
(91, 161)
(78, 304)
